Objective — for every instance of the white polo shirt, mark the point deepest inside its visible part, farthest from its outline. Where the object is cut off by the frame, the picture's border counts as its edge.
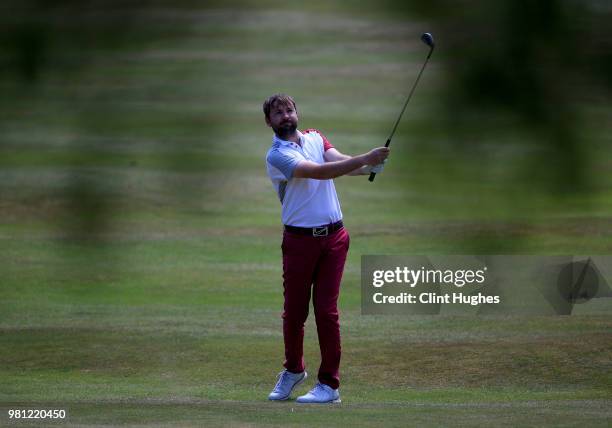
(306, 202)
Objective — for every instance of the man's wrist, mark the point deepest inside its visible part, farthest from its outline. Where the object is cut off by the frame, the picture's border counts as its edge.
(362, 160)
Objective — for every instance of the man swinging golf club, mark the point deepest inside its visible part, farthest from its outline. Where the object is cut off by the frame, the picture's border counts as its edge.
(301, 166)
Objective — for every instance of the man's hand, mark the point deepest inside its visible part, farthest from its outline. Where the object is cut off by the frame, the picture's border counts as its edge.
(377, 169)
(376, 156)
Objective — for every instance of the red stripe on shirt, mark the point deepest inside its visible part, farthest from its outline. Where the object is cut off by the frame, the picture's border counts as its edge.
(326, 144)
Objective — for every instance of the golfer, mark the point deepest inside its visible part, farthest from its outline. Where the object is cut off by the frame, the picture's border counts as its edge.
(301, 166)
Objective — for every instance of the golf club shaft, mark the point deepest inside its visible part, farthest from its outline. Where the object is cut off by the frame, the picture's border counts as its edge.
(373, 174)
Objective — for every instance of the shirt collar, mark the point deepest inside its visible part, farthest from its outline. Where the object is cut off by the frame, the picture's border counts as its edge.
(289, 143)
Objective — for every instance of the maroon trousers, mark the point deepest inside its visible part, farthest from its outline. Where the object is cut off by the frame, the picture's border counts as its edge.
(317, 264)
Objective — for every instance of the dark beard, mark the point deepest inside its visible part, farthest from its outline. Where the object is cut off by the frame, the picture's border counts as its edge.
(285, 131)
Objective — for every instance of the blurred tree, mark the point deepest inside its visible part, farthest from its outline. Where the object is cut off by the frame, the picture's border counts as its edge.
(525, 69)
(48, 49)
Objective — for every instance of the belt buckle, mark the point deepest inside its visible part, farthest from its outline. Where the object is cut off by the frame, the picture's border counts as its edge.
(320, 231)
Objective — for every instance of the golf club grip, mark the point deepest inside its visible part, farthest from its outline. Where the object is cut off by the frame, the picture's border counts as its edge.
(373, 174)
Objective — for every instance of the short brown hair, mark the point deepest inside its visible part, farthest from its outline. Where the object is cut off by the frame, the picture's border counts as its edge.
(282, 99)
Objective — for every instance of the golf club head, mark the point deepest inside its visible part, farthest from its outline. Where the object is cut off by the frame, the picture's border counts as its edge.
(428, 39)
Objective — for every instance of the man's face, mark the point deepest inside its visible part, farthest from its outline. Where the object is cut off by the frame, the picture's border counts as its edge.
(283, 120)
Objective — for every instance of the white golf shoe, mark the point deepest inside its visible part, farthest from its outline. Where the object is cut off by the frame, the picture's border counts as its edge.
(287, 381)
(321, 393)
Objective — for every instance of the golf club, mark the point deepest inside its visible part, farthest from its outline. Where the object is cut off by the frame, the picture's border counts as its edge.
(427, 38)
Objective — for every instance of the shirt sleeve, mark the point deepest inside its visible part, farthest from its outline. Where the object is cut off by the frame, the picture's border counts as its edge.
(284, 162)
(326, 144)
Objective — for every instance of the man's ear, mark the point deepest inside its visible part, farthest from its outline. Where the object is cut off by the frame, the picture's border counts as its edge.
(268, 122)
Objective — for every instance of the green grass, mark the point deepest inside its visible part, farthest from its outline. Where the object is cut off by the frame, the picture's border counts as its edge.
(140, 275)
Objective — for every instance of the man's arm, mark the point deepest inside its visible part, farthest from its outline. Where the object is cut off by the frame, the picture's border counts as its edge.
(333, 155)
(307, 169)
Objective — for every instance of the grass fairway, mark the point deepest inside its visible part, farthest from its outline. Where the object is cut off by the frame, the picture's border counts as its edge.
(140, 276)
